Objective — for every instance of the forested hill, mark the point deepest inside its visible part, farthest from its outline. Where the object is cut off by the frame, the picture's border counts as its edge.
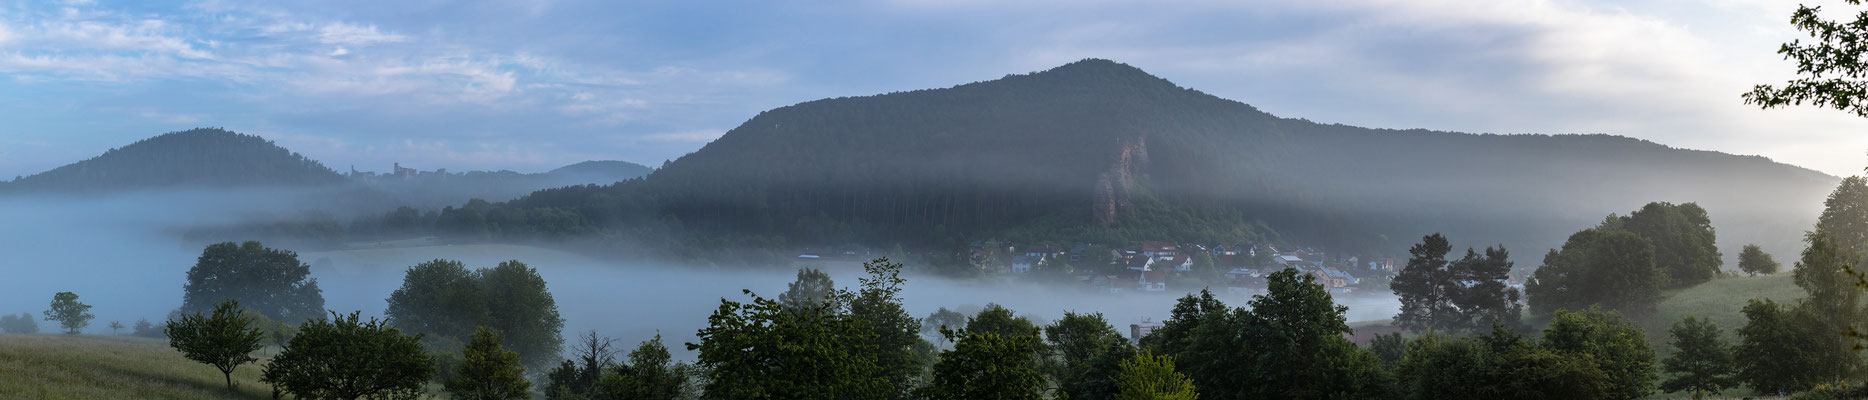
(437, 189)
(600, 171)
(1101, 151)
(196, 158)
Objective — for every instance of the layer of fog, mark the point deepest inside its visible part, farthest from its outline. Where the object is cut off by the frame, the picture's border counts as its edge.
(122, 255)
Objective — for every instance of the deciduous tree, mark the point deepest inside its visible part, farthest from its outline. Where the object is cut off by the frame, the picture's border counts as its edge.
(985, 364)
(267, 280)
(71, 315)
(812, 291)
(761, 349)
(1682, 237)
(445, 302)
(1089, 351)
(1150, 377)
(648, 376)
(1607, 267)
(19, 324)
(347, 358)
(489, 372)
(1830, 68)
(893, 333)
(1618, 347)
(1753, 260)
(226, 339)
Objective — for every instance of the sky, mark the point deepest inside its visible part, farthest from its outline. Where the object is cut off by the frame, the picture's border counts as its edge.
(533, 85)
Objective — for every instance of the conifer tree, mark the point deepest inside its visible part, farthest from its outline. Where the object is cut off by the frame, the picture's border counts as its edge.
(1703, 361)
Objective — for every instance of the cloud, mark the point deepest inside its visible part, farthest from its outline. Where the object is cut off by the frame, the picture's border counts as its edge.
(693, 136)
(354, 35)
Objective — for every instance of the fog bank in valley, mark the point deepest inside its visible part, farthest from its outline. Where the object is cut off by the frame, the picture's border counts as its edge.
(123, 255)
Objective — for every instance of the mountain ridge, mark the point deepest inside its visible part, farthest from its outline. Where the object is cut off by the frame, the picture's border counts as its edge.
(1031, 155)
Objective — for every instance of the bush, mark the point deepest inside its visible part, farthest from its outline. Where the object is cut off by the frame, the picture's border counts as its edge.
(345, 358)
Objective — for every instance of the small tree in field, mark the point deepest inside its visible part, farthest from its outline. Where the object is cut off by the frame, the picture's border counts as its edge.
(1755, 261)
(489, 372)
(1704, 362)
(224, 340)
(70, 314)
(114, 327)
(145, 329)
(345, 358)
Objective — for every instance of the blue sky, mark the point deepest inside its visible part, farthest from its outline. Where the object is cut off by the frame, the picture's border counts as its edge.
(532, 85)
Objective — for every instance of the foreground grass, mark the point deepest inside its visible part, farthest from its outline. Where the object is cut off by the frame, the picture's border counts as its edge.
(101, 367)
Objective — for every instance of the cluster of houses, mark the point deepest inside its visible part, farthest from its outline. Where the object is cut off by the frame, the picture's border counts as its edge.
(1150, 267)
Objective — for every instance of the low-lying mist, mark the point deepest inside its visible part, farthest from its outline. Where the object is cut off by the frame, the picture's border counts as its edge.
(121, 255)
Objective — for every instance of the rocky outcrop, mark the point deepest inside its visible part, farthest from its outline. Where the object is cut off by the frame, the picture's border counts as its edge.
(1126, 165)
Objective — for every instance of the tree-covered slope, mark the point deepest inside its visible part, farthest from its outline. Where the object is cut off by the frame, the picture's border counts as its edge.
(436, 189)
(196, 158)
(1097, 150)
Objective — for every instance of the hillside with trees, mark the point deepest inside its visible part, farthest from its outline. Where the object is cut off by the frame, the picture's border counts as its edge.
(201, 158)
(1099, 151)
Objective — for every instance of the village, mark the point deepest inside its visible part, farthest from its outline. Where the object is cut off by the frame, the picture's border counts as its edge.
(1157, 266)
(1234, 269)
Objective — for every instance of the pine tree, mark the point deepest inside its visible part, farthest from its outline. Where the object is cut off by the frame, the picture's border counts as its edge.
(489, 372)
(1703, 363)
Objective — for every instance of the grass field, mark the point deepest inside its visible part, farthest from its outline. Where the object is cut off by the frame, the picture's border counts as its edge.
(87, 367)
(100, 367)
(1720, 300)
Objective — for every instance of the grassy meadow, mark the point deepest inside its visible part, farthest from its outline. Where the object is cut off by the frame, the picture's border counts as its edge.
(1720, 300)
(52, 366)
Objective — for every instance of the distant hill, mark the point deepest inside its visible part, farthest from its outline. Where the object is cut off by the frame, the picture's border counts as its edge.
(439, 188)
(1101, 151)
(606, 172)
(196, 158)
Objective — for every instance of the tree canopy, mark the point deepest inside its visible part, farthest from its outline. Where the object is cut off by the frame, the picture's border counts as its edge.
(446, 302)
(267, 280)
(1465, 294)
(1150, 377)
(1753, 260)
(1611, 268)
(489, 372)
(1830, 69)
(348, 358)
(1702, 362)
(71, 315)
(226, 339)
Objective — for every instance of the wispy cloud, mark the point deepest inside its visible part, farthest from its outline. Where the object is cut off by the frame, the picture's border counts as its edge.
(692, 136)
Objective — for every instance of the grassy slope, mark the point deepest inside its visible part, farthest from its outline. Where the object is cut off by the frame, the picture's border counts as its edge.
(119, 367)
(96, 367)
(1719, 300)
